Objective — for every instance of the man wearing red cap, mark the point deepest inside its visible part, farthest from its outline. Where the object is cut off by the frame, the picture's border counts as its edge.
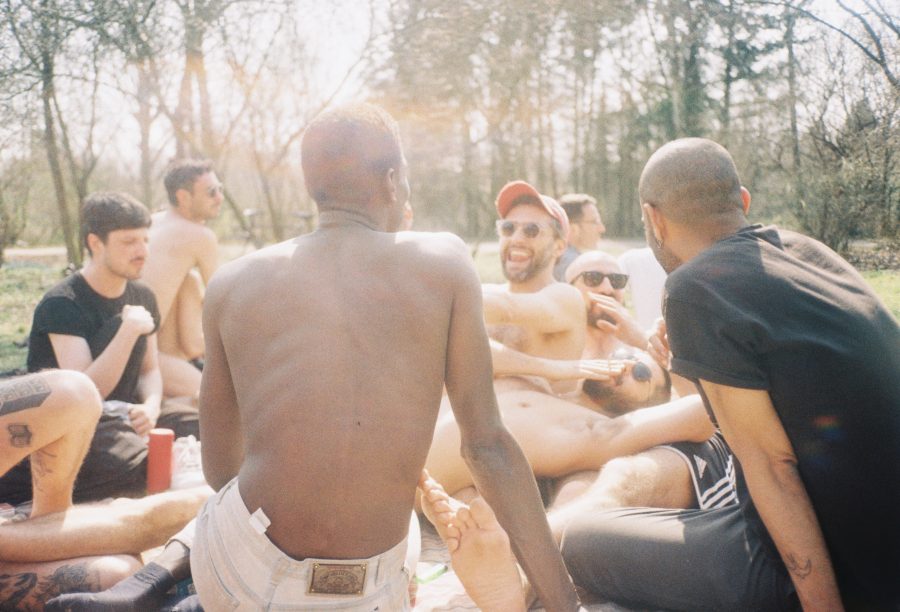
(532, 312)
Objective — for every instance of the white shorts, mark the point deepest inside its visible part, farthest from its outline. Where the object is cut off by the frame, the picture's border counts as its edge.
(236, 567)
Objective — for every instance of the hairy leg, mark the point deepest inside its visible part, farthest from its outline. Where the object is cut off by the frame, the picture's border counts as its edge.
(128, 526)
(50, 416)
(656, 478)
(479, 548)
(27, 586)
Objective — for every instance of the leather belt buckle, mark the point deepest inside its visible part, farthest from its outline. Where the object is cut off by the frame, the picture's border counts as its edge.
(338, 579)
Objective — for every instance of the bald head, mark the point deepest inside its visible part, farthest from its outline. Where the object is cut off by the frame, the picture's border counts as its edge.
(346, 152)
(592, 260)
(692, 181)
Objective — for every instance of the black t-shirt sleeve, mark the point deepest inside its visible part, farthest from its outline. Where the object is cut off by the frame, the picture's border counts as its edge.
(720, 350)
(59, 315)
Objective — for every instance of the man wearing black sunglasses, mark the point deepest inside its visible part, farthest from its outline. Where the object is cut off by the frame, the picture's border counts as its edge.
(532, 312)
(183, 254)
(609, 324)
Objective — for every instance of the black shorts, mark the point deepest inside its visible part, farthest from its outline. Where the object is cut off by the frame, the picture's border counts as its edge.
(711, 465)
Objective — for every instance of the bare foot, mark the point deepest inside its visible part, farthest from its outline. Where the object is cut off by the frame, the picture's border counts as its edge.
(440, 509)
(479, 549)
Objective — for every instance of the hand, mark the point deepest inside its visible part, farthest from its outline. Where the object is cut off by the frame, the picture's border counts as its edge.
(658, 345)
(590, 369)
(612, 317)
(143, 418)
(138, 319)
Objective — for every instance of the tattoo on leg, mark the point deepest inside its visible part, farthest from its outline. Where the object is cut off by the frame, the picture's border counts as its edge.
(24, 393)
(28, 591)
(14, 588)
(800, 569)
(19, 435)
(39, 462)
(66, 579)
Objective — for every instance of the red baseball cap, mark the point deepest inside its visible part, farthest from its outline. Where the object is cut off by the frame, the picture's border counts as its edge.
(516, 189)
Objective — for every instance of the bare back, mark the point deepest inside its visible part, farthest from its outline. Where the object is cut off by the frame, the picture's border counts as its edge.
(336, 345)
(177, 245)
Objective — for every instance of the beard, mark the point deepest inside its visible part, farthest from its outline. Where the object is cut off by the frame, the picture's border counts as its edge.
(610, 398)
(664, 256)
(540, 261)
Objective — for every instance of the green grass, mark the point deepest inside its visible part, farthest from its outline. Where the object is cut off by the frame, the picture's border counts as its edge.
(886, 284)
(22, 283)
(21, 286)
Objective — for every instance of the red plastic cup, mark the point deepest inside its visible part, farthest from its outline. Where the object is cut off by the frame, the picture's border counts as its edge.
(159, 460)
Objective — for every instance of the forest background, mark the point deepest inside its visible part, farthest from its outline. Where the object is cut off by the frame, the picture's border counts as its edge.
(571, 95)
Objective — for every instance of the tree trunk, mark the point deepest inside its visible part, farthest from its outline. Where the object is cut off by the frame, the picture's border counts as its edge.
(144, 119)
(73, 250)
(797, 173)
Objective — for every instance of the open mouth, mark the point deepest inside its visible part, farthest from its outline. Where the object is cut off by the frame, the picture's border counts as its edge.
(518, 255)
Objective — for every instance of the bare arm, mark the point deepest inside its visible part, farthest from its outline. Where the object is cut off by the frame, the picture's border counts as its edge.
(220, 434)
(623, 325)
(684, 419)
(753, 430)
(73, 352)
(499, 468)
(555, 308)
(510, 362)
(207, 255)
(143, 416)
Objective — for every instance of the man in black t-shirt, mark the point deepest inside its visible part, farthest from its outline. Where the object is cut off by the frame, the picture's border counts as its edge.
(102, 322)
(799, 362)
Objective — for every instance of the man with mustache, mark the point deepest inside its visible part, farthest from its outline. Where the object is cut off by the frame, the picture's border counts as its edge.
(102, 321)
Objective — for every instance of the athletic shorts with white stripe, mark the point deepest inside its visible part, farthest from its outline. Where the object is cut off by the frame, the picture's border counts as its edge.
(712, 470)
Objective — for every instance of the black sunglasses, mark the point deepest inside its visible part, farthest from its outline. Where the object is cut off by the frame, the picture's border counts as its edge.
(531, 229)
(640, 371)
(594, 278)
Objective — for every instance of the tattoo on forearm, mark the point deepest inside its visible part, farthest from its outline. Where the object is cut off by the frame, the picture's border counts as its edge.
(801, 568)
(22, 394)
(28, 591)
(19, 435)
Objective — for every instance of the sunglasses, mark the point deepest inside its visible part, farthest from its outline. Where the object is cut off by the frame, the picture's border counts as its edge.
(594, 278)
(215, 190)
(640, 371)
(508, 229)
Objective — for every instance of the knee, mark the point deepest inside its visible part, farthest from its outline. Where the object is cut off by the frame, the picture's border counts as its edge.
(77, 395)
(112, 569)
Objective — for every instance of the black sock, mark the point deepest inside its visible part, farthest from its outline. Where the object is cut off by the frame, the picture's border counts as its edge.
(144, 590)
